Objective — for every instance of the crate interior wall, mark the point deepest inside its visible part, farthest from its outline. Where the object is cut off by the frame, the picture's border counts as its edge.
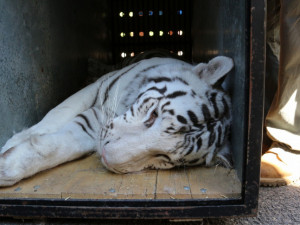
(44, 49)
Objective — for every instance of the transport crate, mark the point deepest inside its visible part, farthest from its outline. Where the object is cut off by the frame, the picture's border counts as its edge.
(44, 51)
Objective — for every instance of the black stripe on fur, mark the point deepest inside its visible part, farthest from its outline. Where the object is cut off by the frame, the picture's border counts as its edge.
(176, 94)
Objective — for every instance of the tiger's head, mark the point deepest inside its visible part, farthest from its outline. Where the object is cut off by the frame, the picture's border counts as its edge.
(180, 117)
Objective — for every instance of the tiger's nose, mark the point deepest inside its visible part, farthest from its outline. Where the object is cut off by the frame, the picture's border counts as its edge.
(104, 160)
(106, 164)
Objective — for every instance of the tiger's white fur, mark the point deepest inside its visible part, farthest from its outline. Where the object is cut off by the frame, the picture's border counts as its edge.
(156, 113)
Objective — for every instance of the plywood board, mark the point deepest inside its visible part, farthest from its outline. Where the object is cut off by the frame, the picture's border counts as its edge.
(87, 179)
(173, 184)
(216, 182)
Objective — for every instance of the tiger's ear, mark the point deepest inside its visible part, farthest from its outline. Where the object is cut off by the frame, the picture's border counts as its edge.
(214, 70)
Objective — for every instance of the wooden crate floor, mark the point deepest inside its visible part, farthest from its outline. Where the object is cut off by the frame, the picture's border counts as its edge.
(87, 179)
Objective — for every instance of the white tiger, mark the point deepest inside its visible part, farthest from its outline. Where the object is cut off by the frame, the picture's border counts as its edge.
(154, 114)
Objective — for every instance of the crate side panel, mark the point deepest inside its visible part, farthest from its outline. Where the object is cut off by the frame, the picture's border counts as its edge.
(220, 28)
(44, 49)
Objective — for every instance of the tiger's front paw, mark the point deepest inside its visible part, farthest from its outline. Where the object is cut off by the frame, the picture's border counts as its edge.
(26, 159)
(10, 171)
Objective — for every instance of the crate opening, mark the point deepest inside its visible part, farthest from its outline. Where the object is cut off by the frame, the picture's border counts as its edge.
(111, 31)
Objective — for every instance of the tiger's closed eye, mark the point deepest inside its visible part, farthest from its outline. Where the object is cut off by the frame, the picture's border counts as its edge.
(151, 119)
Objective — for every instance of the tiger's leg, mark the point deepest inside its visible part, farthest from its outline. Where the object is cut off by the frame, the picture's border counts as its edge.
(40, 152)
(58, 116)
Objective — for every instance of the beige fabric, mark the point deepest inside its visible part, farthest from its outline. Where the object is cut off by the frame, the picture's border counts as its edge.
(283, 119)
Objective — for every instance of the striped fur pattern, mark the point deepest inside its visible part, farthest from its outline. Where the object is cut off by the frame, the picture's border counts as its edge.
(157, 113)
